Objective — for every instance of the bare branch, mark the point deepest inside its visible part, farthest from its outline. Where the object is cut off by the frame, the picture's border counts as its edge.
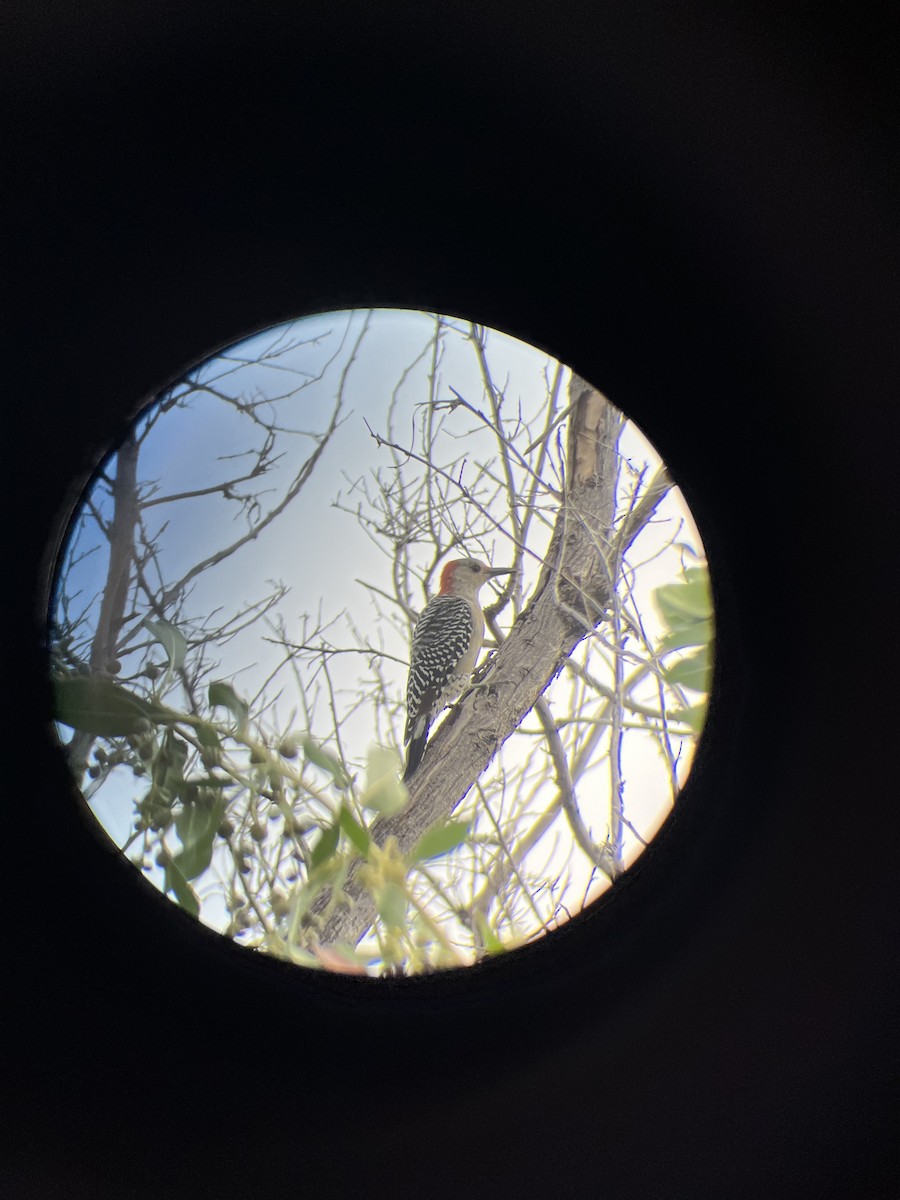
(290, 495)
(572, 596)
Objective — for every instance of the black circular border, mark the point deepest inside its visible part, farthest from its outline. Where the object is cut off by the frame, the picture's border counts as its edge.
(693, 215)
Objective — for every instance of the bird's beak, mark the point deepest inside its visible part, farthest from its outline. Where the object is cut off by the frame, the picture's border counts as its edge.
(500, 571)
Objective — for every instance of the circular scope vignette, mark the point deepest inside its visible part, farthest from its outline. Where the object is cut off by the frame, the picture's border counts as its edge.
(382, 643)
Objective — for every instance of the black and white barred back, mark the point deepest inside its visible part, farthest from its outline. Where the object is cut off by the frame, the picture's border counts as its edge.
(440, 639)
(442, 635)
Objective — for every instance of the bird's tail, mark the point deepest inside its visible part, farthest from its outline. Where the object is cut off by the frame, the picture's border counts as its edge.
(414, 752)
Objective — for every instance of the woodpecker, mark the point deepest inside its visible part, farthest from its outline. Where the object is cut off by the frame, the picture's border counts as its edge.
(445, 646)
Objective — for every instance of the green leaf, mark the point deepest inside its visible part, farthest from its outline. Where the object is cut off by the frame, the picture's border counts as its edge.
(697, 633)
(697, 574)
(327, 762)
(171, 639)
(384, 792)
(102, 707)
(176, 883)
(439, 840)
(196, 826)
(388, 797)
(391, 903)
(168, 767)
(207, 736)
(333, 872)
(222, 693)
(354, 831)
(325, 846)
(695, 716)
(492, 943)
(692, 672)
(686, 601)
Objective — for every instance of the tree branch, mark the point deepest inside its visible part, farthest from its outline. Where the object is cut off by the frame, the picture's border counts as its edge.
(115, 592)
(573, 596)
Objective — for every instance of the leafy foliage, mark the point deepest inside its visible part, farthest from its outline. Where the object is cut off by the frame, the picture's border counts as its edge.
(101, 707)
(686, 608)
